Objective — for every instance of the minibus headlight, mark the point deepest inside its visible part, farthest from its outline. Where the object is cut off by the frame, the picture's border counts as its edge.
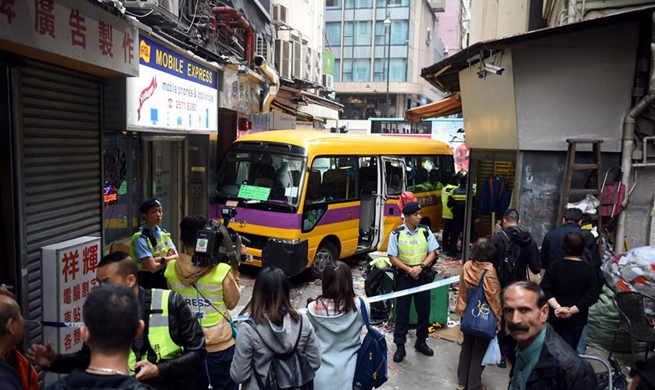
(295, 241)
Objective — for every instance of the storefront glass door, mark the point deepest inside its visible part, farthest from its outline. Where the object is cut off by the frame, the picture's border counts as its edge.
(164, 179)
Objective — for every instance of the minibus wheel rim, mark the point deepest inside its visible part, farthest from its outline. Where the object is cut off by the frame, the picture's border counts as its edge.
(324, 255)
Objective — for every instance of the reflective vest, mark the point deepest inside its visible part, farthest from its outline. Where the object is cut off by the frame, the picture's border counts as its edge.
(459, 194)
(413, 248)
(211, 293)
(446, 212)
(159, 335)
(160, 250)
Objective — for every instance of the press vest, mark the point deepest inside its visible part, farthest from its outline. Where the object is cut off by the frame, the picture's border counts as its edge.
(160, 250)
(446, 212)
(159, 335)
(211, 289)
(413, 248)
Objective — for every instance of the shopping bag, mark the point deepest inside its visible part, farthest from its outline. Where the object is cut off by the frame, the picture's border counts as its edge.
(493, 356)
(479, 320)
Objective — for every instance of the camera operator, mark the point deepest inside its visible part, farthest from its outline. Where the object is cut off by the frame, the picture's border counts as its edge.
(217, 292)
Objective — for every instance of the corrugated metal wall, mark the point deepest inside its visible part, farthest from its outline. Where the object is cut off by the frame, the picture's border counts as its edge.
(58, 165)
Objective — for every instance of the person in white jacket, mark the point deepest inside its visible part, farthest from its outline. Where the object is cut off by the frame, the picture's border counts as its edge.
(275, 323)
(337, 319)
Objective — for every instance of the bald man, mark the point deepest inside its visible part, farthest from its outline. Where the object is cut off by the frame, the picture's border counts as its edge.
(11, 333)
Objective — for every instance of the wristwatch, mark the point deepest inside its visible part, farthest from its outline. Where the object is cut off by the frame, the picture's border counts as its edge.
(162, 260)
(423, 266)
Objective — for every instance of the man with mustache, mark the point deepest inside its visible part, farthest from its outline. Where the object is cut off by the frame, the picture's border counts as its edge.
(543, 359)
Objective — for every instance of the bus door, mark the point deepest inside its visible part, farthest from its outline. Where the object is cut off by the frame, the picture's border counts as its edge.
(393, 184)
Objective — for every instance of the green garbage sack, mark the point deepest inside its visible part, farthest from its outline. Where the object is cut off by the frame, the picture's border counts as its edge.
(604, 322)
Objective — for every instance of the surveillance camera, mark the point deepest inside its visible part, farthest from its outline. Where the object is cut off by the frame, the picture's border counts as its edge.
(494, 69)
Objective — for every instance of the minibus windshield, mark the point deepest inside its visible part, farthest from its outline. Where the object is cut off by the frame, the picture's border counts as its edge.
(261, 180)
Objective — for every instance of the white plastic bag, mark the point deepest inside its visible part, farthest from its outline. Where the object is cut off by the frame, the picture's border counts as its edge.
(492, 357)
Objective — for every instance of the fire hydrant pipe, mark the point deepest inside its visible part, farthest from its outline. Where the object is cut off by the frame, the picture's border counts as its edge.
(249, 38)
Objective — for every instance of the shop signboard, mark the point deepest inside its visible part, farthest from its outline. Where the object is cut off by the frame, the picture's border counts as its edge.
(240, 92)
(70, 29)
(173, 91)
(69, 274)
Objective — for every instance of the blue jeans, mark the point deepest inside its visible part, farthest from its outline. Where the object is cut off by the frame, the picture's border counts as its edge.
(218, 364)
(582, 344)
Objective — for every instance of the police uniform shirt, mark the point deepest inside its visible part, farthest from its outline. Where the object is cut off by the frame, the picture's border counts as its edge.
(141, 248)
(392, 248)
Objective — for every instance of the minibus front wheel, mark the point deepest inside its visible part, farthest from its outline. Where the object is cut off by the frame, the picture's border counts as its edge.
(325, 253)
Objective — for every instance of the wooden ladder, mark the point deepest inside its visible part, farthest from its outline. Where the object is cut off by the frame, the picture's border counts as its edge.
(571, 166)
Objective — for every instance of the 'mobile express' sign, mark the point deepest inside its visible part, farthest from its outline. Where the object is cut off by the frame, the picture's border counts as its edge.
(172, 91)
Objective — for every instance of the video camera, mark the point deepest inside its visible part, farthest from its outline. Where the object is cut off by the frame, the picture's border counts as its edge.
(216, 243)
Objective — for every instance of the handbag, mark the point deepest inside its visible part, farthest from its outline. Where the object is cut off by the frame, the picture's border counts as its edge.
(479, 320)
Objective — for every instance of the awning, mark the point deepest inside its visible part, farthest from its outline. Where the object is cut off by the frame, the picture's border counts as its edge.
(445, 73)
(448, 106)
(289, 100)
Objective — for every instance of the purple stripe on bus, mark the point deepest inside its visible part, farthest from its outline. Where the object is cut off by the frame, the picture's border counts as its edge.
(268, 218)
(340, 215)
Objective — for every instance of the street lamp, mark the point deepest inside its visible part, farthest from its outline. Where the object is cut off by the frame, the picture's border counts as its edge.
(387, 27)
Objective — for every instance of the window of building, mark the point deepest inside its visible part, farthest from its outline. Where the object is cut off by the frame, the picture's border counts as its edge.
(380, 34)
(347, 70)
(398, 69)
(359, 4)
(337, 70)
(392, 3)
(333, 33)
(348, 29)
(379, 73)
(363, 33)
(362, 69)
(333, 3)
(399, 32)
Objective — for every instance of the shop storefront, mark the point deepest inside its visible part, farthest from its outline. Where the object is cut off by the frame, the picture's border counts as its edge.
(55, 57)
(163, 152)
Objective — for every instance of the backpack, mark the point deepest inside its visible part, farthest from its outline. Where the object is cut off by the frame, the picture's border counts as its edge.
(374, 285)
(371, 371)
(508, 269)
(288, 371)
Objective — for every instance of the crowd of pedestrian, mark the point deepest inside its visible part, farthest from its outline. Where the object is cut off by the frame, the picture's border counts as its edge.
(182, 336)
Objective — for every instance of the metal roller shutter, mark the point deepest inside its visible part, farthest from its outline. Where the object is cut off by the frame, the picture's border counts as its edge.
(59, 166)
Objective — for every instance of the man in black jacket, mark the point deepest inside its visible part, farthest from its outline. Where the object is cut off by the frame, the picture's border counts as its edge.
(544, 360)
(168, 351)
(552, 247)
(111, 322)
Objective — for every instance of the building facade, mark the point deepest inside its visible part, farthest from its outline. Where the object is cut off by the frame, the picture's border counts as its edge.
(379, 48)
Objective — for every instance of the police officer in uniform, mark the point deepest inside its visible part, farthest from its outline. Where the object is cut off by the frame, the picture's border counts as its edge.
(447, 215)
(412, 251)
(164, 355)
(218, 291)
(152, 246)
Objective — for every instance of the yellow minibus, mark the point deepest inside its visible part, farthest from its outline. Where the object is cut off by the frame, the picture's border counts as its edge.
(305, 197)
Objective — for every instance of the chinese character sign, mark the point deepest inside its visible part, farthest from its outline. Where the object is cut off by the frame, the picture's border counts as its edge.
(173, 91)
(74, 29)
(69, 270)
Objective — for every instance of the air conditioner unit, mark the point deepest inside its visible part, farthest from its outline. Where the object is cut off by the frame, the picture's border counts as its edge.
(170, 7)
(279, 14)
(308, 68)
(261, 47)
(318, 67)
(282, 58)
(328, 81)
(297, 63)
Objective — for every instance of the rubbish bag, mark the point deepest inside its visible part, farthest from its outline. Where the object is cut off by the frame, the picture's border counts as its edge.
(619, 381)
(493, 356)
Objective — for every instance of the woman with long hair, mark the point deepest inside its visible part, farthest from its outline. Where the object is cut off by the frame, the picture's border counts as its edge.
(571, 287)
(337, 319)
(273, 329)
(469, 369)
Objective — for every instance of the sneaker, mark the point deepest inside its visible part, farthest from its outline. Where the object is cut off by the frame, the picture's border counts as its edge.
(460, 387)
(503, 363)
(423, 348)
(400, 353)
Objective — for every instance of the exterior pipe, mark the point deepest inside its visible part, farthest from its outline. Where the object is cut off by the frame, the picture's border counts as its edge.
(628, 147)
(273, 85)
(249, 38)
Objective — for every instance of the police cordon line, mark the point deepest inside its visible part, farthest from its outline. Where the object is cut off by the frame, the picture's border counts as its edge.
(245, 317)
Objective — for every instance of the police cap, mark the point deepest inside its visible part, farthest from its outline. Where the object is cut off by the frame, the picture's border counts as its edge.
(148, 204)
(410, 208)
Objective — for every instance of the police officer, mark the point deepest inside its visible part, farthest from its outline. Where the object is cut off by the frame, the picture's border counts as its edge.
(447, 215)
(411, 251)
(170, 347)
(218, 291)
(152, 246)
(457, 203)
